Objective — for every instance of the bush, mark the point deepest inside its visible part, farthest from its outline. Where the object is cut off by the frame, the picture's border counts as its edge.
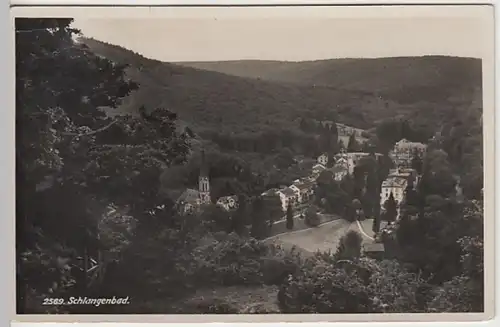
(324, 288)
(230, 260)
(349, 246)
(312, 218)
(359, 286)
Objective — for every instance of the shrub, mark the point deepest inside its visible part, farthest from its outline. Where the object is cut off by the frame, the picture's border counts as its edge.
(230, 260)
(356, 286)
(349, 246)
(312, 218)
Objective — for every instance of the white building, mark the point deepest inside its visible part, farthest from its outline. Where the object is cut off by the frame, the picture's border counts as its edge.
(305, 188)
(404, 150)
(296, 190)
(409, 174)
(394, 185)
(340, 171)
(228, 202)
(351, 159)
(287, 196)
(323, 159)
(317, 169)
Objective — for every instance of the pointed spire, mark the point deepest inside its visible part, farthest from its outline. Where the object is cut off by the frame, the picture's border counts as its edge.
(203, 165)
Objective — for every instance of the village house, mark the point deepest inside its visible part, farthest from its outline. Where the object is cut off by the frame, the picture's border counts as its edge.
(228, 203)
(339, 172)
(404, 150)
(317, 169)
(296, 190)
(323, 159)
(394, 185)
(287, 196)
(408, 173)
(188, 201)
(351, 159)
(305, 189)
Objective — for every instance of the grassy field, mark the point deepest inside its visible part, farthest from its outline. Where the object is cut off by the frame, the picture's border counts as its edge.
(323, 238)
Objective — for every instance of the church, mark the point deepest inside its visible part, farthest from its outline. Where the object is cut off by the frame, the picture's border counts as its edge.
(191, 200)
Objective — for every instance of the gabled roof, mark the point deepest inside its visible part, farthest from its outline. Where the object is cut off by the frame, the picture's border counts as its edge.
(319, 166)
(287, 191)
(394, 182)
(270, 192)
(374, 247)
(406, 143)
(189, 196)
(304, 184)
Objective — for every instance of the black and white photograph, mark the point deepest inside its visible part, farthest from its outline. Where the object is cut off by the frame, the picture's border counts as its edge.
(251, 164)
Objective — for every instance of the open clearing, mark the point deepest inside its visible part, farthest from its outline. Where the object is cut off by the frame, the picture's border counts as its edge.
(324, 237)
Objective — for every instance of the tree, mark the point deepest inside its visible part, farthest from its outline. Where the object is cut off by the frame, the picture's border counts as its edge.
(312, 218)
(77, 167)
(352, 145)
(416, 163)
(216, 219)
(391, 208)
(285, 158)
(261, 222)
(59, 85)
(241, 217)
(289, 217)
(352, 286)
(349, 246)
(273, 210)
(437, 177)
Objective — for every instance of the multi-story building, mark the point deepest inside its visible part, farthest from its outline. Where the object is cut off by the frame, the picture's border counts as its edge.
(317, 169)
(394, 185)
(404, 151)
(323, 159)
(410, 174)
(287, 196)
(305, 189)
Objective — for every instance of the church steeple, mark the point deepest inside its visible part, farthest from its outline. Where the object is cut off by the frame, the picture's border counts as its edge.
(203, 181)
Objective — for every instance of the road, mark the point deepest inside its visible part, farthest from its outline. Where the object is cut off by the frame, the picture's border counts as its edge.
(324, 237)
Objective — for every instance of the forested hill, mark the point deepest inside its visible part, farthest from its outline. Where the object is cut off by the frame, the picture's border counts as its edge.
(402, 79)
(208, 100)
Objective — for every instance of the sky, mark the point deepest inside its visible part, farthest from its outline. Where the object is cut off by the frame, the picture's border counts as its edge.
(298, 39)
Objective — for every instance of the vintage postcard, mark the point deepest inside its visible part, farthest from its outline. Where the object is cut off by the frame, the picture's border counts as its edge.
(211, 164)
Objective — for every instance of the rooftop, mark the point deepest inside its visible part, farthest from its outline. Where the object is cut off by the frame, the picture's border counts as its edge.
(319, 166)
(225, 199)
(373, 247)
(303, 184)
(406, 143)
(394, 182)
(270, 192)
(189, 196)
(288, 192)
